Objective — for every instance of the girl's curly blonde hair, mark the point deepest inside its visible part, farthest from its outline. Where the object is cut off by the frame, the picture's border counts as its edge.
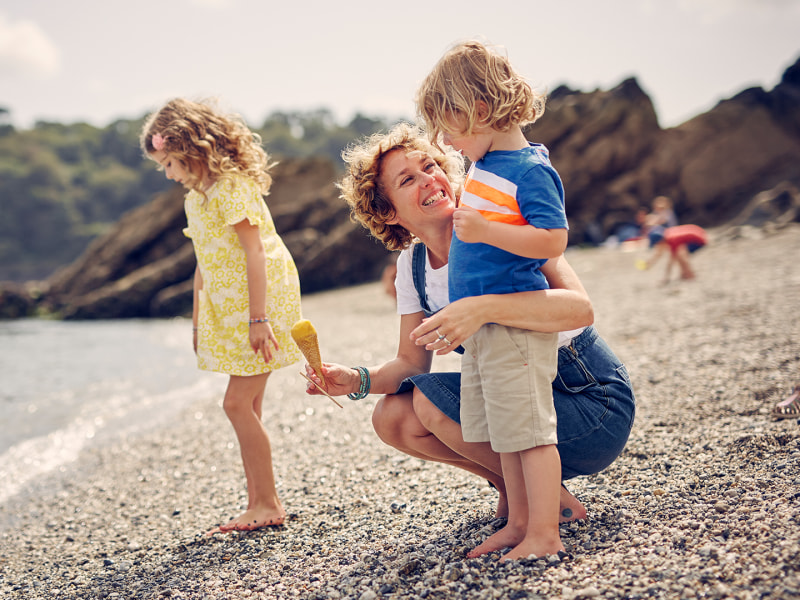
(208, 142)
(361, 187)
(467, 75)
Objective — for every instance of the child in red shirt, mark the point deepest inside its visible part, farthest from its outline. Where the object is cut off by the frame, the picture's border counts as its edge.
(681, 241)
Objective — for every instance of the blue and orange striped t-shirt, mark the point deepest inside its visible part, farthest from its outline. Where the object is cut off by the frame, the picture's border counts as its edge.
(518, 187)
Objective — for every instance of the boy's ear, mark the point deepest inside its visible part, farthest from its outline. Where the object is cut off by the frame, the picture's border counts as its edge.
(393, 220)
(483, 111)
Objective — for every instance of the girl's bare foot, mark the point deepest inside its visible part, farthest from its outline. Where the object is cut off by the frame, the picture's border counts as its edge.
(504, 538)
(535, 546)
(253, 519)
(570, 508)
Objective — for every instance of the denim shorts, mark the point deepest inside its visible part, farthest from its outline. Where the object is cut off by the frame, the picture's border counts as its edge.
(593, 399)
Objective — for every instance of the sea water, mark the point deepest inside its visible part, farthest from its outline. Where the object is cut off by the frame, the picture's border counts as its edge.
(67, 384)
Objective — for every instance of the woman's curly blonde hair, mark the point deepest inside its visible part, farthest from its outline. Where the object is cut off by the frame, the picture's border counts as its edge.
(468, 74)
(361, 186)
(208, 142)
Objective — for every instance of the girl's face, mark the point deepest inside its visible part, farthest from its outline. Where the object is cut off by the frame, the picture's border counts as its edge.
(417, 187)
(173, 167)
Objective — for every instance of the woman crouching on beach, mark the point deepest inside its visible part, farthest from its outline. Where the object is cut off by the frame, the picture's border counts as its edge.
(403, 189)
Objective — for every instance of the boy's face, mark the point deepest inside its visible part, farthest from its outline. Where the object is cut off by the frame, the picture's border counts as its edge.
(473, 145)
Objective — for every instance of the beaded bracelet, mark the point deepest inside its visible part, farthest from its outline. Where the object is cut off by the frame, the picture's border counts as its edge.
(254, 321)
(363, 389)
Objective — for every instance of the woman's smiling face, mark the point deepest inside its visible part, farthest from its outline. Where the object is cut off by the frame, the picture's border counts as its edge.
(417, 187)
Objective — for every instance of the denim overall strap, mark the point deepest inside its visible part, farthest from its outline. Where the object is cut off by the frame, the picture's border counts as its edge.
(418, 276)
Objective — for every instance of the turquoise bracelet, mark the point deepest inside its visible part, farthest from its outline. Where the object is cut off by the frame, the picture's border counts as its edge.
(363, 389)
(254, 321)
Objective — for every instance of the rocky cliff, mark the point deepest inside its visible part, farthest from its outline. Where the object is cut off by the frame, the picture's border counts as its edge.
(607, 145)
(614, 157)
(143, 267)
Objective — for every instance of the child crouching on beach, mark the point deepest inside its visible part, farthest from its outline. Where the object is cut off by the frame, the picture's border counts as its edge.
(246, 287)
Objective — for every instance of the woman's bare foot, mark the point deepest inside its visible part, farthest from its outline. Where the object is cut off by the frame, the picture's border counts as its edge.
(538, 547)
(504, 538)
(253, 519)
(570, 508)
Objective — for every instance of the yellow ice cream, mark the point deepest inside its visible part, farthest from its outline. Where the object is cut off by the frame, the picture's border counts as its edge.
(305, 336)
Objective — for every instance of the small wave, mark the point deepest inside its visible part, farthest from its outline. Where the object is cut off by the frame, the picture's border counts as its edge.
(117, 415)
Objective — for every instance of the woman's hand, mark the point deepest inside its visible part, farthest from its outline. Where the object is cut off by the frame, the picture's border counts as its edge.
(261, 338)
(339, 380)
(449, 327)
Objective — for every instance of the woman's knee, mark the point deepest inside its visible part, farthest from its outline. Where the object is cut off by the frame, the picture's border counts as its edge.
(389, 418)
(427, 412)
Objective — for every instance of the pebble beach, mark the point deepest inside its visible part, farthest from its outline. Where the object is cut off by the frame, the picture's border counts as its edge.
(703, 503)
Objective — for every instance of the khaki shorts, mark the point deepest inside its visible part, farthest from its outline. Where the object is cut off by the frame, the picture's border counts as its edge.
(507, 388)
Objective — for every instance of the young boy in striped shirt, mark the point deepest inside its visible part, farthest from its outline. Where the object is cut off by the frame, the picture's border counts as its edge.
(510, 219)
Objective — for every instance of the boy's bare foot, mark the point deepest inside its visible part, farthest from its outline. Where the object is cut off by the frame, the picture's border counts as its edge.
(497, 541)
(570, 508)
(253, 519)
(535, 546)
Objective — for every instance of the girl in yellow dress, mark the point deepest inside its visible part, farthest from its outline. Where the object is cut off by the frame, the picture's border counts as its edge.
(246, 288)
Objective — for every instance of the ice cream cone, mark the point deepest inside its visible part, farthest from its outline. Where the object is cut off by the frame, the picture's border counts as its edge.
(305, 336)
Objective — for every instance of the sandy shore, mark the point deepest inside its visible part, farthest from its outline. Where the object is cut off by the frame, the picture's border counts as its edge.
(704, 502)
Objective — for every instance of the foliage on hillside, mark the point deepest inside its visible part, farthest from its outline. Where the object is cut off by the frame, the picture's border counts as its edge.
(62, 185)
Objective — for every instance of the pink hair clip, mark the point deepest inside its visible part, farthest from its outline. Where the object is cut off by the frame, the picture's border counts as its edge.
(158, 141)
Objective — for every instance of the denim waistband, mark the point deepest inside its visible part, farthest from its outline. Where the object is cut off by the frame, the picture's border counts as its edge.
(583, 340)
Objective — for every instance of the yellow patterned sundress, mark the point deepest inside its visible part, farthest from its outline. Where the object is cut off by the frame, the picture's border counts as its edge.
(223, 342)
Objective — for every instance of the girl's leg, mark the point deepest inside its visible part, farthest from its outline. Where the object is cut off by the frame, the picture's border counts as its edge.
(398, 425)
(242, 405)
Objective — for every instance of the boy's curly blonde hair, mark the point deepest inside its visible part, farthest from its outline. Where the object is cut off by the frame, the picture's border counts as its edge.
(361, 187)
(208, 142)
(467, 75)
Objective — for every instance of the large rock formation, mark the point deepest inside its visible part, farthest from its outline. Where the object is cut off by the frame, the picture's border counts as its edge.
(607, 145)
(613, 156)
(143, 267)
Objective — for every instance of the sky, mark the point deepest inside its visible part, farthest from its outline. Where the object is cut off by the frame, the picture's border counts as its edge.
(100, 60)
